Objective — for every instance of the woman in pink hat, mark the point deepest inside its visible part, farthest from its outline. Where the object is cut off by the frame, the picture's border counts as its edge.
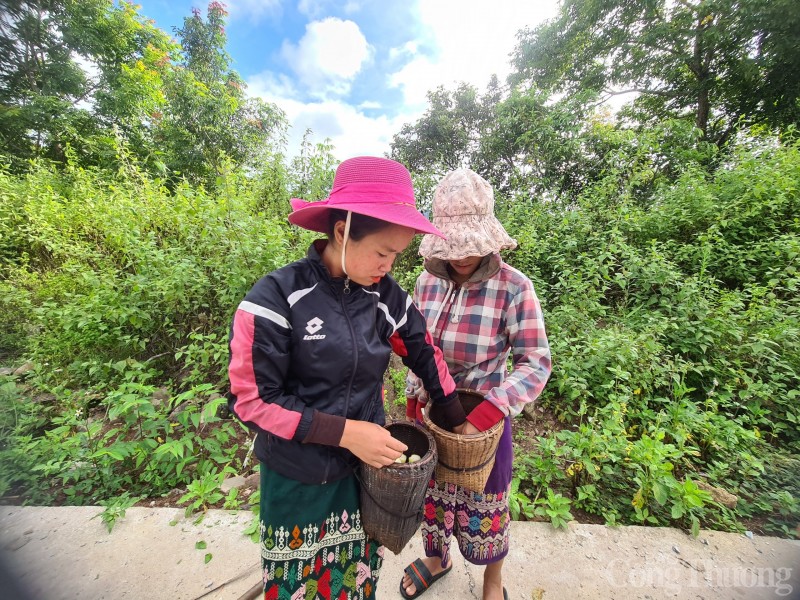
(309, 346)
(479, 311)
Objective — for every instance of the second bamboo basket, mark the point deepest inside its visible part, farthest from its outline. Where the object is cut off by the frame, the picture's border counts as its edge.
(466, 460)
(393, 497)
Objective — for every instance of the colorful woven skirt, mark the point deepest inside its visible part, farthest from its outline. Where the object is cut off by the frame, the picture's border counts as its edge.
(312, 542)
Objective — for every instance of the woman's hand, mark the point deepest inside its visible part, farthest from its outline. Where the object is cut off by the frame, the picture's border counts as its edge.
(371, 443)
(466, 428)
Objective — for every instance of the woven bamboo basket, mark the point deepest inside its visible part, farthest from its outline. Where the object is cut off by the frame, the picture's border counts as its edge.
(393, 497)
(466, 460)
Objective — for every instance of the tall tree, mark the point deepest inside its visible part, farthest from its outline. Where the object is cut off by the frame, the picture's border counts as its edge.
(208, 120)
(40, 82)
(90, 76)
(76, 74)
(517, 139)
(719, 62)
(312, 170)
(537, 146)
(448, 135)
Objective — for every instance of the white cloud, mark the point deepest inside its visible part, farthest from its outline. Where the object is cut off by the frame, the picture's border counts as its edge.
(407, 49)
(311, 8)
(351, 132)
(455, 40)
(351, 7)
(416, 78)
(271, 86)
(473, 40)
(370, 105)
(328, 56)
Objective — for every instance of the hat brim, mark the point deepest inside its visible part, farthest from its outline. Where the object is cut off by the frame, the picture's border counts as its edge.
(475, 235)
(314, 215)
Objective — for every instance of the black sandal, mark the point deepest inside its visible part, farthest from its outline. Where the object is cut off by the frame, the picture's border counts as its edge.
(421, 578)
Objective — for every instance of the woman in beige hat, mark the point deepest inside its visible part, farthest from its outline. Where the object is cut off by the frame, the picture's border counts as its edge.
(479, 311)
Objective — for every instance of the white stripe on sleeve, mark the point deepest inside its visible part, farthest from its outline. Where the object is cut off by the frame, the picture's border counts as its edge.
(261, 311)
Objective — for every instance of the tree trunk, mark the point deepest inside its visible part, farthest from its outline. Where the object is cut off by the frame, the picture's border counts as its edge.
(700, 70)
(703, 109)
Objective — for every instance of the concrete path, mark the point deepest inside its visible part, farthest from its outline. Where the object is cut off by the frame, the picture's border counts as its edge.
(66, 553)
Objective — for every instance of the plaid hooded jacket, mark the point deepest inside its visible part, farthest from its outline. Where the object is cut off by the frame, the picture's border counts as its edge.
(478, 325)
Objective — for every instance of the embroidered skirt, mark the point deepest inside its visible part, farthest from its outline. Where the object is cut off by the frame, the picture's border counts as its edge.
(312, 542)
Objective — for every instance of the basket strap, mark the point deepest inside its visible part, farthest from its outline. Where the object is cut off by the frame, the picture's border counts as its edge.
(418, 513)
(466, 469)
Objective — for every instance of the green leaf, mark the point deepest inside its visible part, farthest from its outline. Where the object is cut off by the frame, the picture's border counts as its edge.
(695, 526)
(660, 492)
(201, 545)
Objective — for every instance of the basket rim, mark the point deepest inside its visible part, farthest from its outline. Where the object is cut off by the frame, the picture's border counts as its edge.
(471, 391)
(461, 436)
(430, 456)
(416, 427)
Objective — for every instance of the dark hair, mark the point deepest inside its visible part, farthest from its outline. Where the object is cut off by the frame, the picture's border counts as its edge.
(360, 225)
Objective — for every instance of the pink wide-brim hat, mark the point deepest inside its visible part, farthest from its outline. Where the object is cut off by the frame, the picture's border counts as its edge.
(367, 185)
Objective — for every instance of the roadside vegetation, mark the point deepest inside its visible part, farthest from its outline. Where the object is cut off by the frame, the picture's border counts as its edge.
(663, 243)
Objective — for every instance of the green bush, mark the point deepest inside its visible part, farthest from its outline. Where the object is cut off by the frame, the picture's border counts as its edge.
(108, 269)
(673, 322)
(115, 287)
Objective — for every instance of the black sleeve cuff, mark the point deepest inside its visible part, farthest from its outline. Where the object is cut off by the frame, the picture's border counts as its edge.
(325, 429)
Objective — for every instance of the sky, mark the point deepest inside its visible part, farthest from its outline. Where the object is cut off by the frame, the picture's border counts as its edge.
(355, 71)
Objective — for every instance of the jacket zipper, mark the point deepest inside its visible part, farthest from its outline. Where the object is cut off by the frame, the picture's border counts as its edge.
(352, 376)
(355, 356)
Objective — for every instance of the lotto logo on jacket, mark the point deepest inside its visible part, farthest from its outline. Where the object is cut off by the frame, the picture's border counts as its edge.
(312, 327)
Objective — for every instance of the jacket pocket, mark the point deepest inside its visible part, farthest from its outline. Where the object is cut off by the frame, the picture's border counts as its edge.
(372, 410)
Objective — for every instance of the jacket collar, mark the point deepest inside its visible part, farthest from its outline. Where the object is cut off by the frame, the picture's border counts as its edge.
(489, 267)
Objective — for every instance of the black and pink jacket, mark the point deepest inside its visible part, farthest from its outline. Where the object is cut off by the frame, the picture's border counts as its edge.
(305, 356)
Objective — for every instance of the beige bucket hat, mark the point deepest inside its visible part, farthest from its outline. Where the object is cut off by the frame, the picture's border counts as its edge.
(463, 210)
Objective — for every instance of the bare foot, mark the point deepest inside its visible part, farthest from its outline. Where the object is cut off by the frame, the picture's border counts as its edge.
(434, 564)
(492, 591)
